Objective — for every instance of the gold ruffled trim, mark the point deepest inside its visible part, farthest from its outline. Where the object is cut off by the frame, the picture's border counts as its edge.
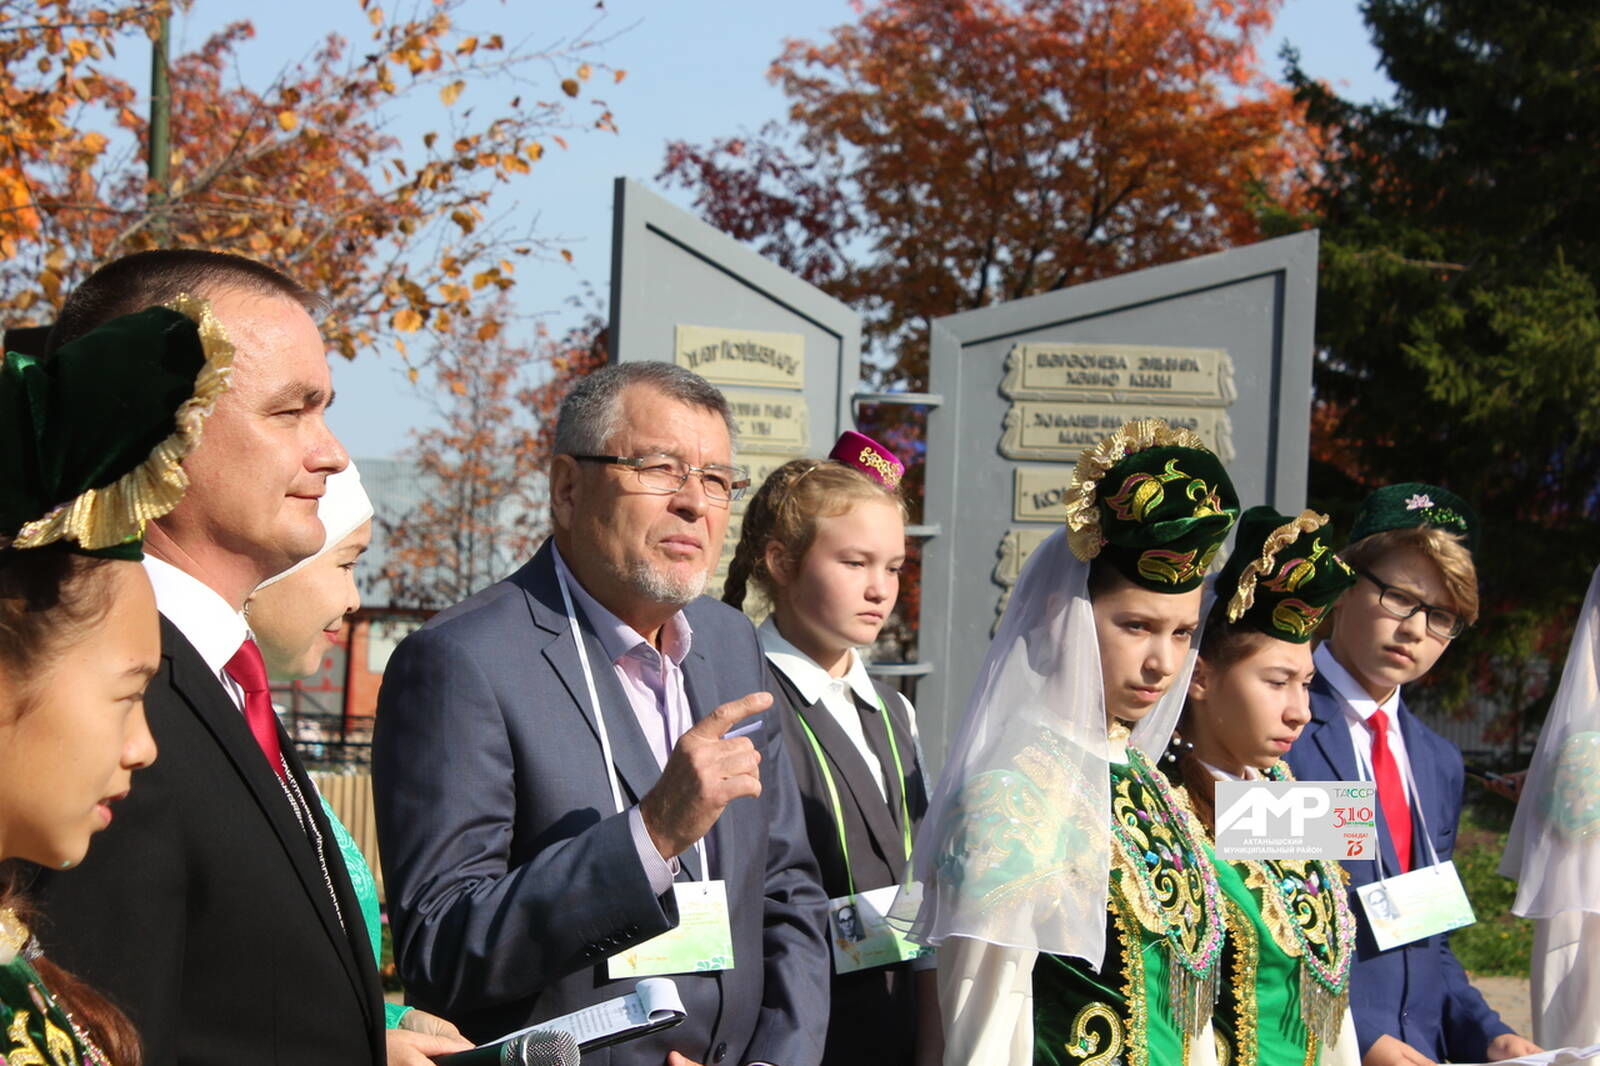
(1083, 517)
(117, 513)
(1244, 597)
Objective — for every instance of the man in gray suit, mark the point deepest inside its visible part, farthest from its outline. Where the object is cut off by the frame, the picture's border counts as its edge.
(522, 863)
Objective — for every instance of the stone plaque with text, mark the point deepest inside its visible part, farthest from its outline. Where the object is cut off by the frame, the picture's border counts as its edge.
(1119, 373)
(770, 422)
(1048, 429)
(743, 356)
(1040, 492)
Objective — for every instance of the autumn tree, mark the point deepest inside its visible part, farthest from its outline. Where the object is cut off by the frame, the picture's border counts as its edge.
(482, 464)
(944, 155)
(308, 173)
(1458, 324)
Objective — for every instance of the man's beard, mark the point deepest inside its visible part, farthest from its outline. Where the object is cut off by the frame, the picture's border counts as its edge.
(663, 588)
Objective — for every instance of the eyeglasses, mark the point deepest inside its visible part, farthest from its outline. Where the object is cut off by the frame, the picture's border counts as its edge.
(1446, 625)
(666, 474)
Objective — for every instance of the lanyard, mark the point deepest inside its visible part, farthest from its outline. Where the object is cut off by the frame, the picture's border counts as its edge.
(600, 718)
(1413, 797)
(833, 789)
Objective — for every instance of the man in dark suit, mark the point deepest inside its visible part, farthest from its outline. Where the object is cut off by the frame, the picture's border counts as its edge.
(216, 910)
(521, 862)
(1416, 591)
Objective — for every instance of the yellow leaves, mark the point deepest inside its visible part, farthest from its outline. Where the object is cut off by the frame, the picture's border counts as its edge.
(430, 139)
(464, 219)
(452, 92)
(565, 254)
(468, 46)
(458, 387)
(569, 86)
(535, 151)
(559, 140)
(375, 15)
(287, 121)
(407, 320)
(489, 330)
(616, 78)
(93, 142)
(584, 71)
(453, 293)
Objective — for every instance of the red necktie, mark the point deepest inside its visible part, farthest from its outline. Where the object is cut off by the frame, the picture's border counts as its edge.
(247, 668)
(1391, 789)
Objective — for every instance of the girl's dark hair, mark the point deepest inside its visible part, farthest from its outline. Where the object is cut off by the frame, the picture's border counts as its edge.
(786, 509)
(48, 597)
(1222, 644)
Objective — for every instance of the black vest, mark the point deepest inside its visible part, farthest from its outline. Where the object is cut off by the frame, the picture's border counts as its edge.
(873, 1016)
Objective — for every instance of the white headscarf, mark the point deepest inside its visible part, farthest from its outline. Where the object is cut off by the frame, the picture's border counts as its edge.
(1015, 848)
(1554, 848)
(344, 506)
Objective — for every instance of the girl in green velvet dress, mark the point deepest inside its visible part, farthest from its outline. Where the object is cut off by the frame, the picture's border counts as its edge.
(90, 446)
(1286, 968)
(1065, 880)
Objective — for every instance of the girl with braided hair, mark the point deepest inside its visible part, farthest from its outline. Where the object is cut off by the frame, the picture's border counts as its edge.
(823, 541)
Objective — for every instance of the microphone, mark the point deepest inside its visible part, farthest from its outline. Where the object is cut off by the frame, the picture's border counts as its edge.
(537, 1047)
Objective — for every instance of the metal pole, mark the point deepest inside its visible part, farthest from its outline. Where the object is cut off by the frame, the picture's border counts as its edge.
(160, 146)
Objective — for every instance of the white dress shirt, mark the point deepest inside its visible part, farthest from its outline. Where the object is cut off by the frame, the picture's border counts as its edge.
(1358, 709)
(834, 693)
(205, 619)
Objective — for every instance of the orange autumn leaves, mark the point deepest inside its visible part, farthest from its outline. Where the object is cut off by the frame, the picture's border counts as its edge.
(943, 155)
(311, 173)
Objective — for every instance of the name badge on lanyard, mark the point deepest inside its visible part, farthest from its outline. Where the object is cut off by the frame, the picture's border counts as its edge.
(861, 937)
(1421, 903)
(702, 941)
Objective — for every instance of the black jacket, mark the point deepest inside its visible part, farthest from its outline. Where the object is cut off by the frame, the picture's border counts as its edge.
(203, 911)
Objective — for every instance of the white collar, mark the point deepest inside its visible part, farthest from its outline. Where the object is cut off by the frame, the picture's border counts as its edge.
(201, 614)
(812, 680)
(1355, 697)
(1250, 773)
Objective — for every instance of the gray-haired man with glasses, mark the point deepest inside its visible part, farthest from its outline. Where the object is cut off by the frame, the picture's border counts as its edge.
(577, 760)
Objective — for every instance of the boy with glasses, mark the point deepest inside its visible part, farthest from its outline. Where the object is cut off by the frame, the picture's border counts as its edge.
(1411, 548)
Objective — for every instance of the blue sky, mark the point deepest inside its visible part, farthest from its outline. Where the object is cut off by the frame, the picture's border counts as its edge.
(696, 70)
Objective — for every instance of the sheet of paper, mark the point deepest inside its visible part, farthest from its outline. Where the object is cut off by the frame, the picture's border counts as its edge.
(652, 1002)
(1566, 1056)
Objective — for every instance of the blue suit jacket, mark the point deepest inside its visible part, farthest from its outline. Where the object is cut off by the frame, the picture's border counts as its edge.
(1417, 992)
(511, 877)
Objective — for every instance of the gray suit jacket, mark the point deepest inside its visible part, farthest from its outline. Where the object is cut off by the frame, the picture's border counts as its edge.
(510, 876)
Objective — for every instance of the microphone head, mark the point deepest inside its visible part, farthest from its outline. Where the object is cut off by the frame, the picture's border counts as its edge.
(542, 1047)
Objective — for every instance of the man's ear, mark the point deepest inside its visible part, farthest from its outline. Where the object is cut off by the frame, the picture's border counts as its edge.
(564, 475)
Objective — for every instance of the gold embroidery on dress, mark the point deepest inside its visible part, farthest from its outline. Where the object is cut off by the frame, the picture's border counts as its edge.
(23, 1052)
(1246, 950)
(1133, 989)
(1086, 1045)
(1020, 813)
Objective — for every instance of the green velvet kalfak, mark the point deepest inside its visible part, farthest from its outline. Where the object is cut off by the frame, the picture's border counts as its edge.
(92, 412)
(1304, 580)
(1164, 512)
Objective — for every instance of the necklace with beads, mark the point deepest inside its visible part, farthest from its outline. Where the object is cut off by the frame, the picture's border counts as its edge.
(1195, 969)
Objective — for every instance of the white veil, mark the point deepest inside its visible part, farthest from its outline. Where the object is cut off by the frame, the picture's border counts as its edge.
(1554, 848)
(1015, 848)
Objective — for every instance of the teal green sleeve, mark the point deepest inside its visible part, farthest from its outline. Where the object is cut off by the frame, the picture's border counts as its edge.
(366, 889)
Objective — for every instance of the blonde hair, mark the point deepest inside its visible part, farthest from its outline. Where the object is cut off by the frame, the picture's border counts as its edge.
(1447, 551)
(786, 508)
